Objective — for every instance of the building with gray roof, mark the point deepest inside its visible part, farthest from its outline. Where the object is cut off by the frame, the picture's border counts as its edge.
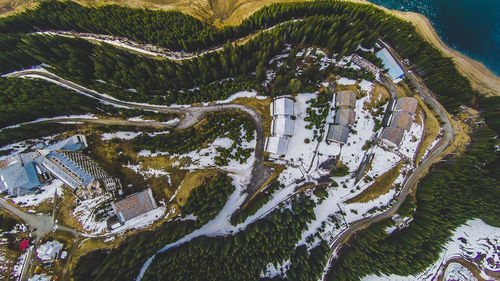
(80, 173)
(401, 119)
(134, 205)
(392, 136)
(345, 116)
(406, 104)
(338, 133)
(345, 98)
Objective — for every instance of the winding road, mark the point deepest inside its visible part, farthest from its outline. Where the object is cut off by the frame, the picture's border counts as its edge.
(192, 115)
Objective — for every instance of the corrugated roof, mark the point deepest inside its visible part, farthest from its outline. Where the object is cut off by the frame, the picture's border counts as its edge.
(338, 133)
(406, 104)
(277, 145)
(345, 116)
(388, 61)
(282, 106)
(283, 126)
(345, 98)
(134, 205)
(401, 119)
(19, 174)
(73, 143)
(393, 135)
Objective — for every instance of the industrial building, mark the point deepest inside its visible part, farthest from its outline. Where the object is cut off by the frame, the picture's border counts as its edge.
(26, 172)
(134, 205)
(80, 173)
(401, 119)
(345, 116)
(392, 136)
(282, 127)
(394, 70)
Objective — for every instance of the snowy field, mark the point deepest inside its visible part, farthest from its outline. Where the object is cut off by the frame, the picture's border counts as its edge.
(46, 192)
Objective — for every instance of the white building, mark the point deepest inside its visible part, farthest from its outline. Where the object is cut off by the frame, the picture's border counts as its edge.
(282, 106)
(48, 252)
(282, 127)
(277, 145)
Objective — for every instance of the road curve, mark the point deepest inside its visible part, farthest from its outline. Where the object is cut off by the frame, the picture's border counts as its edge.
(418, 172)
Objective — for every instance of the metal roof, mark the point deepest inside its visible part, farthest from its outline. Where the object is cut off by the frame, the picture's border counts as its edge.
(72, 143)
(338, 133)
(277, 145)
(282, 106)
(406, 104)
(134, 205)
(388, 61)
(19, 174)
(401, 119)
(393, 135)
(283, 125)
(345, 98)
(345, 116)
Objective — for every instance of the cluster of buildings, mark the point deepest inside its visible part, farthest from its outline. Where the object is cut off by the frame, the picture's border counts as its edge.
(345, 116)
(26, 172)
(401, 120)
(282, 127)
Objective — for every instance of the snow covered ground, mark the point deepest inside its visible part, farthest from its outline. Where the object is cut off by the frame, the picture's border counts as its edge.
(120, 135)
(47, 192)
(470, 241)
(457, 272)
(411, 140)
(85, 214)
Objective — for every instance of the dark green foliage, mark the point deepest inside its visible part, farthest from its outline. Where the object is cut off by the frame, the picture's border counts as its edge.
(317, 112)
(491, 112)
(24, 100)
(257, 202)
(206, 200)
(450, 195)
(370, 57)
(6, 223)
(308, 266)
(220, 124)
(237, 257)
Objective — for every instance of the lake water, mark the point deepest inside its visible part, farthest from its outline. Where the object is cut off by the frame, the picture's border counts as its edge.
(469, 26)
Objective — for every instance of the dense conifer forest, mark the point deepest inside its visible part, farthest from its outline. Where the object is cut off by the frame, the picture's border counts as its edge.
(338, 26)
(463, 188)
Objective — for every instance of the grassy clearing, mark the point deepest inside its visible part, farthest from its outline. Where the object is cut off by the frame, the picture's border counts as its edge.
(261, 106)
(64, 210)
(347, 87)
(190, 182)
(381, 186)
(432, 128)
(377, 96)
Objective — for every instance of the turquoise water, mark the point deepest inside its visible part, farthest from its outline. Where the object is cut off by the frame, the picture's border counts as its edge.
(469, 26)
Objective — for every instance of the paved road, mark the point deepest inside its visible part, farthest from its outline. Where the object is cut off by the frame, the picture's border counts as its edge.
(43, 223)
(417, 173)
